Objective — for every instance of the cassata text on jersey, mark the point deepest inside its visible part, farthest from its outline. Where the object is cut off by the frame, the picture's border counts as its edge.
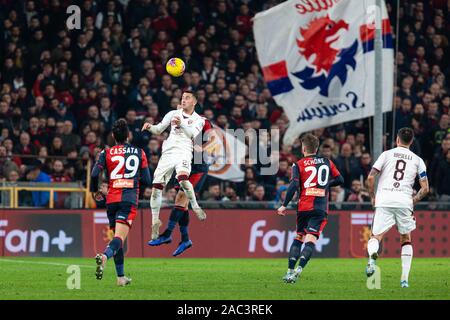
(313, 161)
(128, 150)
(403, 156)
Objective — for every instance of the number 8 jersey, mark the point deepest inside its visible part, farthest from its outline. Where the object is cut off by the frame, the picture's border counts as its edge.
(124, 164)
(315, 175)
(398, 169)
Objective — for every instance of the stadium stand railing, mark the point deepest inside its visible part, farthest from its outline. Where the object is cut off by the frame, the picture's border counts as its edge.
(12, 194)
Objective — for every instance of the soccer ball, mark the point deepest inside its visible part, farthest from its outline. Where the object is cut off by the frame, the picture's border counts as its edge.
(175, 67)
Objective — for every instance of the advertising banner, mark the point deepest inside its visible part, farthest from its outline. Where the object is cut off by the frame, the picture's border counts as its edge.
(225, 234)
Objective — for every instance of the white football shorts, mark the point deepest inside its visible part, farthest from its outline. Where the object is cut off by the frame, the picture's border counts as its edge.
(168, 163)
(386, 217)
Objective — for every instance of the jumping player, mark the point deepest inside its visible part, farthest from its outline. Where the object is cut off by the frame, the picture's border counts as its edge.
(311, 178)
(394, 201)
(124, 165)
(180, 213)
(177, 150)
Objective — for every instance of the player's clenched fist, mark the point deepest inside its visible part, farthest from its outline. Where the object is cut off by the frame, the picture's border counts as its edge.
(281, 211)
(146, 126)
(176, 121)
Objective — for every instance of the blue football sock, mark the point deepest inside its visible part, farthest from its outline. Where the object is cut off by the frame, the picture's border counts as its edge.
(294, 253)
(119, 262)
(175, 216)
(306, 254)
(184, 222)
(114, 245)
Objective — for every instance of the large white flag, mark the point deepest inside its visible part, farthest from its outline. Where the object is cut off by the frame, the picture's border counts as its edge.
(225, 154)
(318, 60)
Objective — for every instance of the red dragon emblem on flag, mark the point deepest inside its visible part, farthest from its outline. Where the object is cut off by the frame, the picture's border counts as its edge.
(328, 62)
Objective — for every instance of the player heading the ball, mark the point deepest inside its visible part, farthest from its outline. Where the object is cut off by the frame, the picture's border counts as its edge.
(177, 151)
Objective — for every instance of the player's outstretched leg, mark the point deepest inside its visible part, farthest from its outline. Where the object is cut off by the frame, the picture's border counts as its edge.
(372, 249)
(190, 193)
(166, 236)
(100, 259)
(155, 205)
(294, 255)
(119, 262)
(407, 255)
(185, 243)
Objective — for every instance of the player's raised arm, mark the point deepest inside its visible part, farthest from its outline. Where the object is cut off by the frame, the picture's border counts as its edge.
(292, 189)
(160, 127)
(99, 165)
(423, 180)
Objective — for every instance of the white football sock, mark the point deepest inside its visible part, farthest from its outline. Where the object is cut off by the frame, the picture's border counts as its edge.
(407, 255)
(155, 204)
(190, 193)
(372, 247)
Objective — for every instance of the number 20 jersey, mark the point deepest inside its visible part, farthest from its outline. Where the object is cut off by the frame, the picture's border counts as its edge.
(398, 169)
(123, 164)
(314, 174)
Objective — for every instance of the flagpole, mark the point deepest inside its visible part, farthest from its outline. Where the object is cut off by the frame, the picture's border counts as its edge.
(378, 116)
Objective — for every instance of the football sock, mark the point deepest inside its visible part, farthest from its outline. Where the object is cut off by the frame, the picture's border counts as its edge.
(118, 261)
(155, 204)
(306, 254)
(114, 245)
(294, 253)
(372, 247)
(184, 222)
(190, 193)
(175, 216)
(407, 255)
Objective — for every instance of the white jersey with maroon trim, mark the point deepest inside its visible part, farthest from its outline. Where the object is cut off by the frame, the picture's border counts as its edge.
(398, 169)
(181, 137)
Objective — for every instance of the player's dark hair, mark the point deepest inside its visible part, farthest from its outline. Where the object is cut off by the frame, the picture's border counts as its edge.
(310, 142)
(406, 135)
(120, 130)
(191, 92)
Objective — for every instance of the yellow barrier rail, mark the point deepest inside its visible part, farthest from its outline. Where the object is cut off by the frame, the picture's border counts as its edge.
(14, 194)
(14, 190)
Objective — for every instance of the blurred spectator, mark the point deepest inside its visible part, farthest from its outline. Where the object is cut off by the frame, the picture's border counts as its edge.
(347, 164)
(34, 174)
(60, 91)
(230, 194)
(443, 178)
(357, 194)
(213, 193)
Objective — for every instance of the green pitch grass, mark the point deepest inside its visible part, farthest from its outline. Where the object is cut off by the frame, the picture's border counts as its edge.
(179, 278)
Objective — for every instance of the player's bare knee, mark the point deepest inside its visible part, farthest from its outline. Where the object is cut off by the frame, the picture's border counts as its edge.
(180, 199)
(310, 238)
(405, 238)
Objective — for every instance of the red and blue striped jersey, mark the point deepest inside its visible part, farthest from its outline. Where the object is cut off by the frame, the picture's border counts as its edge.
(123, 164)
(315, 174)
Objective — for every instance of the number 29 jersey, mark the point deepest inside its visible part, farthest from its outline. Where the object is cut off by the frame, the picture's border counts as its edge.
(314, 174)
(123, 164)
(398, 169)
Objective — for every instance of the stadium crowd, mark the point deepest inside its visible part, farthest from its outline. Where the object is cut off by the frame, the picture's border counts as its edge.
(60, 90)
